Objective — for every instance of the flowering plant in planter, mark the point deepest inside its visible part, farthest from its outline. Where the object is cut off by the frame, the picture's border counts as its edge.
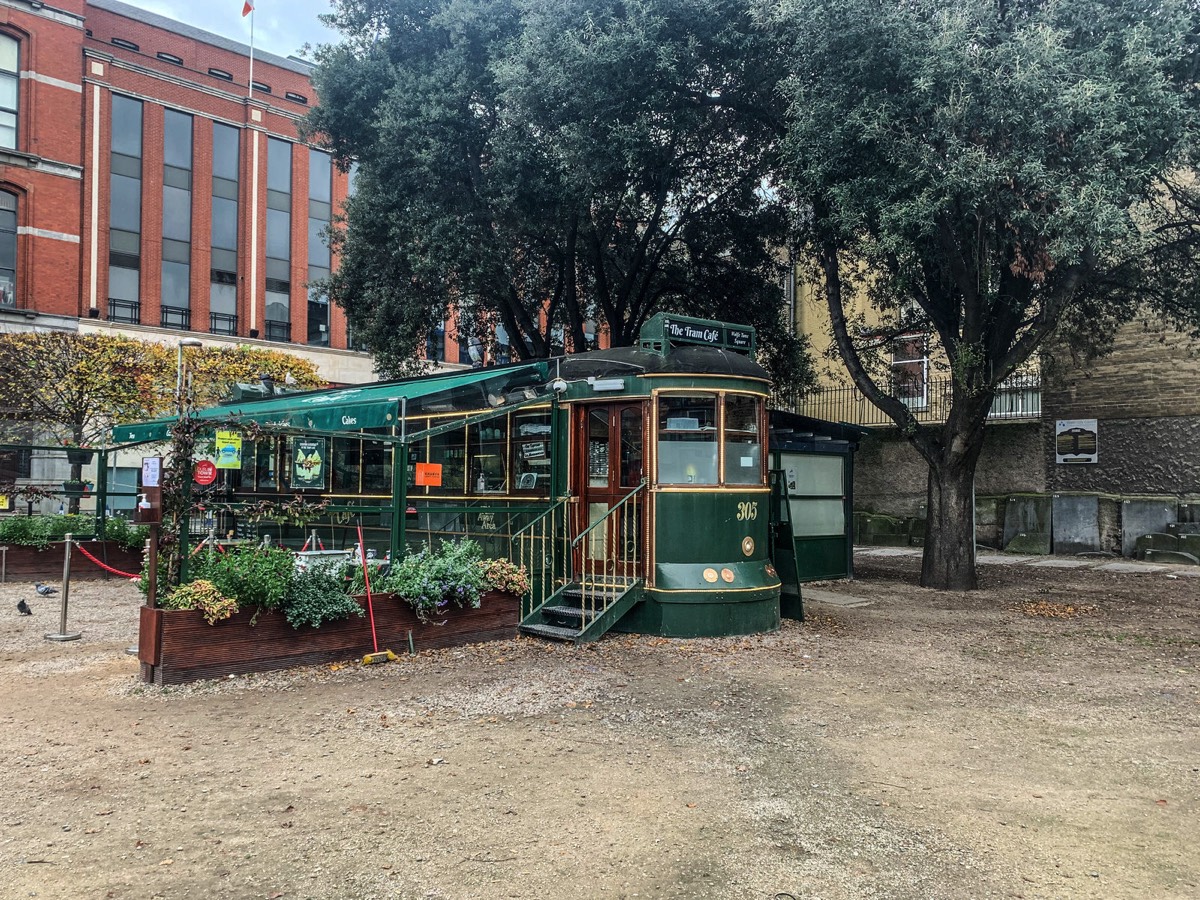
(431, 581)
(204, 596)
(504, 575)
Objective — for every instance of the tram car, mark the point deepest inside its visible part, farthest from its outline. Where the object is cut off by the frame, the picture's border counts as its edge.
(633, 483)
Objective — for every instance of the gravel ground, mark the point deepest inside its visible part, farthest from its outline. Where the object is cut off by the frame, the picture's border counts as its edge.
(1036, 739)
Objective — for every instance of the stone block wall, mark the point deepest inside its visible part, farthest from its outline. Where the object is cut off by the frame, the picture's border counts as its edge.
(890, 476)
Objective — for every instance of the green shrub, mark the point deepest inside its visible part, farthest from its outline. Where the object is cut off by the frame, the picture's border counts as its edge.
(26, 531)
(204, 596)
(126, 534)
(315, 597)
(255, 576)
(430, 581)
(39, 531)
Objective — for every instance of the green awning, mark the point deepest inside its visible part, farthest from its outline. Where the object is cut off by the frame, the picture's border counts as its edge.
(362, 406)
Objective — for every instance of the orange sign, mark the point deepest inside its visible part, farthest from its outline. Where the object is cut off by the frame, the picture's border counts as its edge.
(429, 475)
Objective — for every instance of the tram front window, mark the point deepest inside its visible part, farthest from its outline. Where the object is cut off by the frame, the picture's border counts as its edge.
(687, 439)
(743, 448)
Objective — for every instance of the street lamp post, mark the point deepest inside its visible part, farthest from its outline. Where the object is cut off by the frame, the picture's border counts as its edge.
(186, 342)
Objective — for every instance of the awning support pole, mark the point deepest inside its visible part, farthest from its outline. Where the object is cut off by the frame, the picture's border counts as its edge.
(399, 485)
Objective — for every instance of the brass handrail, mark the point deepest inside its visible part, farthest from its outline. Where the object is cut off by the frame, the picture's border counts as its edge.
(535, 545)
(598, 588)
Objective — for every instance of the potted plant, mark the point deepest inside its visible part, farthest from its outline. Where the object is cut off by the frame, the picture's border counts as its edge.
(79, 456)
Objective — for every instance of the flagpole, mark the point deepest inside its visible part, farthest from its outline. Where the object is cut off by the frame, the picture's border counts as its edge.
(250, 86)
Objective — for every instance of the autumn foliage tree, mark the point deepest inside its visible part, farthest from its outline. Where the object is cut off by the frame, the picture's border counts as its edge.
(71, 388)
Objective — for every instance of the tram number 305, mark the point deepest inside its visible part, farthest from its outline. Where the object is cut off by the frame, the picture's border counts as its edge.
(747, 511)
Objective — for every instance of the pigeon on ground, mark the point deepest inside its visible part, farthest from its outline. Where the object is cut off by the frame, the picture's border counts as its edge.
(23, 608)
(44, 589)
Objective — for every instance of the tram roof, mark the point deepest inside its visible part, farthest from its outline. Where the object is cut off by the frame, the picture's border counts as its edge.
(362, 406)
(684, 360)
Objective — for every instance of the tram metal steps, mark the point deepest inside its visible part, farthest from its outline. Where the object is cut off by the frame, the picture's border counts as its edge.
(580, 613)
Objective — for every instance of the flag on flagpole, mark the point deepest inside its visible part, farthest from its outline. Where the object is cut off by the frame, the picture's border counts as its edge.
(247, 8)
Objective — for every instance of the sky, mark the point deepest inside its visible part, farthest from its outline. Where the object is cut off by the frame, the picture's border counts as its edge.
(280, 26)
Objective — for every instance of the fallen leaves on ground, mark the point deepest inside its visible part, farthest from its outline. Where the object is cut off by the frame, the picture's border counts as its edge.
(1048, 609)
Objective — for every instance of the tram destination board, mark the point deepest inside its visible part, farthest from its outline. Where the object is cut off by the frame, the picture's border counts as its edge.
(675, 330)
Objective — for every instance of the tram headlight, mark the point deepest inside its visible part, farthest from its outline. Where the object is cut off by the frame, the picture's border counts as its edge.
(559, 385)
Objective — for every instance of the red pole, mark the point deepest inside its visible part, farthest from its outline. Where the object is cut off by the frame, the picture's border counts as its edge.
(362, 553)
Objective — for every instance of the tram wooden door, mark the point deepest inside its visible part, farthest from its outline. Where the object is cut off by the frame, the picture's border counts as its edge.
(609, 459)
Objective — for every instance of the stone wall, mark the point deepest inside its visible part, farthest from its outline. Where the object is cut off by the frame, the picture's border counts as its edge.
(890, 476)
(1154, 456)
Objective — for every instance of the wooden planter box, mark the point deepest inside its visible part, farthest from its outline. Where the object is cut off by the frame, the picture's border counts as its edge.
(177, 646)
(28, 563)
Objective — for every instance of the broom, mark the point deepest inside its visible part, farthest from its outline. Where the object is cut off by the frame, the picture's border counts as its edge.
(379, 656)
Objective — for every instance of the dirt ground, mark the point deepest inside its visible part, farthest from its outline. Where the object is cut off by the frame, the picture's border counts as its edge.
(1036, 739)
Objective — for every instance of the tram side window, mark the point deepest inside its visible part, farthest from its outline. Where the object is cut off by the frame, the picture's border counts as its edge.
(743, 446)
(687, 439)
(347, 463)
(531, 451)
(376, 467)
(449, 450)
(488, 443)
(258, 465)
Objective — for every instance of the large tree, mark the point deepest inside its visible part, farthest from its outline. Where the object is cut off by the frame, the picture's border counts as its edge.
(996, 174)
(537, 164)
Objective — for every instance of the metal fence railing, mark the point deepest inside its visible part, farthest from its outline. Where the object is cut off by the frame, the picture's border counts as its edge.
(1018, 398)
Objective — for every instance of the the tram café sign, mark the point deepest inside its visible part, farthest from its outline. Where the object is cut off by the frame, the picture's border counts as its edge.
(665, 330)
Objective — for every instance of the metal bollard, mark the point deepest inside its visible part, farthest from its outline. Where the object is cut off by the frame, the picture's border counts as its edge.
(62, 633)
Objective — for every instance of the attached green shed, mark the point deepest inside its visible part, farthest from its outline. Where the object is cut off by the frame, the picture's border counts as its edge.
(813, 462)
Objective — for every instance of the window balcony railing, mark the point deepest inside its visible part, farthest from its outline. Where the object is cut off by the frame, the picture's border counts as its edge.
(222, 323)
(125, 312)
(278, 331)
(176, 317)
(1017, 399)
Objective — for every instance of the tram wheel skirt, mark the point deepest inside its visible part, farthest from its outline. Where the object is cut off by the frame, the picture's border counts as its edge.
(687, 614)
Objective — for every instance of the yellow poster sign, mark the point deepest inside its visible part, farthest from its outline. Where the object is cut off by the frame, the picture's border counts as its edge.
(229, 450)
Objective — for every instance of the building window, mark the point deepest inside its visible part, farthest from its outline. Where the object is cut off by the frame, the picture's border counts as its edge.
(221, 73)
(171, 58)
(125, 211)
(222, 289)
(910, 370)
(9, 83)
(259, 86)
(177, 220)
(128, 45)
(8, 249)
(279, 240)
(320, 210)
(296, 98)
(435, 344)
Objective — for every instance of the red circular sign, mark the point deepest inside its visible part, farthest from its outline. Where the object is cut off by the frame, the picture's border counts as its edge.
(205, 473)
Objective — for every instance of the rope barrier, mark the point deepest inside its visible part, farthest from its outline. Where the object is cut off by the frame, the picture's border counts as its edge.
(104, 566)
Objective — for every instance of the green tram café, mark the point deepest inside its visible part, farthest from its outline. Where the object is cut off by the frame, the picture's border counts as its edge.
(636, 484)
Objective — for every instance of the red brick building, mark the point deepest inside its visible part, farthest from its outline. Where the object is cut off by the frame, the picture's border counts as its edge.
(147, 187)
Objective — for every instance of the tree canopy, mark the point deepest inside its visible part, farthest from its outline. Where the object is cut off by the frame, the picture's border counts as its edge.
(72, 387)
(539, 164)
(992, 173)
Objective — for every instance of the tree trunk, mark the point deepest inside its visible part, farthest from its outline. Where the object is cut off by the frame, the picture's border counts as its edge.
(76, 476)
(949, 559)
